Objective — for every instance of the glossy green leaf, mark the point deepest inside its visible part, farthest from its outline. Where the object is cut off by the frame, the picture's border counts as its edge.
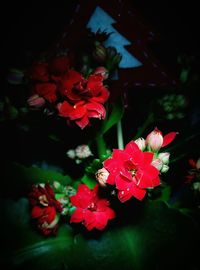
(19, 177)
(114, 117)
(88, 180)
(147, 236)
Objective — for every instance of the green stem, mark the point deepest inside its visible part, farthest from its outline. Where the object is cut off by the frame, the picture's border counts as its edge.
(120, 140)
(146, 123)
(101, 146)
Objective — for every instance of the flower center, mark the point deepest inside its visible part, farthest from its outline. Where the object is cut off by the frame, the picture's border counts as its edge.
(92, 207)
(43, 200)
(133, 172)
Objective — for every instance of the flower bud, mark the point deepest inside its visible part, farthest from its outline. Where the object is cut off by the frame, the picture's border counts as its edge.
(141, 143)
(100, 53)
(56, 185)
(165, 168)
(157, 163)
(198, 164)
(196, 186)
(71, 153)
(102, 176)
(102, 71)
(36, 101)
(155, 140)
(164, 157)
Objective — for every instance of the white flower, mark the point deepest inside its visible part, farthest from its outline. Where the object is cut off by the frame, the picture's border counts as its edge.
(83, 151)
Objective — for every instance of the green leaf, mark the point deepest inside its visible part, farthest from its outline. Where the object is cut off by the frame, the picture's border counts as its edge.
(88, 180)
(94, 166)
(114, 117)
(144, 236)
(19, 177)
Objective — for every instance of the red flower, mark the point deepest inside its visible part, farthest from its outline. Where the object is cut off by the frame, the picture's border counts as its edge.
(92, 210)
(76, 88)
(47, 91)
(43, 196)
(46, 219)
(39, 72)
(59, 65)
(81, 112)
(131, 171)
(44, 208)
(194, 172)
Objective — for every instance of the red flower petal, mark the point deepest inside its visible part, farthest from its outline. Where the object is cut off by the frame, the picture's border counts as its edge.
(77, 216)
(83, 122)
(36, 212)
(168, 138)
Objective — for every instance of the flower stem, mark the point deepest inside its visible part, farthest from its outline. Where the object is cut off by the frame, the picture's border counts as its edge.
(120, 140)
(101, 146)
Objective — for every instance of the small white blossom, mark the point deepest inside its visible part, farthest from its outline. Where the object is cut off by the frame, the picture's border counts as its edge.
(71, 153)
(83, 151)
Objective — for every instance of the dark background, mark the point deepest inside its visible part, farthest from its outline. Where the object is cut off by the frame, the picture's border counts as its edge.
(32, 26)
(29, 28)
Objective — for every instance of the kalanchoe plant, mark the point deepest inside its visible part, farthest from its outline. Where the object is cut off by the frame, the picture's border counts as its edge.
(113, 178)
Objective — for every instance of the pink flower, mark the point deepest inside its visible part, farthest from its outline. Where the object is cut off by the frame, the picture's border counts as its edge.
(91, 210)
(155, 139)
(132, 172)
(81, 112)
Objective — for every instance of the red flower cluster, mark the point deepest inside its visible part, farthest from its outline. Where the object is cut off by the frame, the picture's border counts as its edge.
(132, 172)
(44, 208)
(91, 209)
(74, 97)
(194, 172)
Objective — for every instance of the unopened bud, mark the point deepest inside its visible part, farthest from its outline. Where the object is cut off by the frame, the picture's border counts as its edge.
(36, 101)
(102, 71)
(164, 157)
(102, 176)
(141, 143)
(154, 140)
(165, 168)
(71, 153)
(157, 163)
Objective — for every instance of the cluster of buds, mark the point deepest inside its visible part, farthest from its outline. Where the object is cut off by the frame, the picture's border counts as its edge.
(81, 152)
(173, 106)
(153, 143)
(63, 194)
(109, 56)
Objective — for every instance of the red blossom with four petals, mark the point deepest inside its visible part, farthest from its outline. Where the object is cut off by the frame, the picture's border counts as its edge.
(92, 210)
(131, 171)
